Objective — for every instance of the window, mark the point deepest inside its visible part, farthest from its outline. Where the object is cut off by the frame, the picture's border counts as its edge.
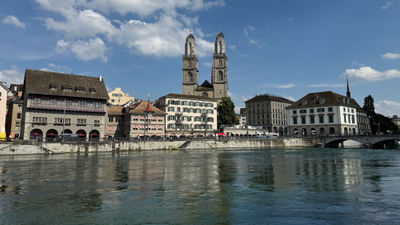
(52, 87)
(171, 118)
(190, 77)
(69, 102)
(311, 110)
(330, 109)
(197, 118)
(171, 109)
(36, 100)
(353, 119)
(220, 63)
(53, 101)
(80, 89)
(321, 110)
(39, 120)
(19, 116)
(81, 122)
(312, 119)
(345, 117)
(82, 104)
(67, 89)
(294, 111)
(220, 75)
(303, 111)
(210, 111)
(97, 104)
(303, 120)
(92, 90)
(110, 119)
(321, 118)
(330, 117)
(294, 120)
(97, 122)
(349, 118)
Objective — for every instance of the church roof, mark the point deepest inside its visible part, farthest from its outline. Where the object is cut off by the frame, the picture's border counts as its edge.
(194, 97)
(205, 86)
(142, 107)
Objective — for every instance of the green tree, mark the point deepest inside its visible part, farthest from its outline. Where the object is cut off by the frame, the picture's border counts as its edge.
(226, 113)
(379, 123)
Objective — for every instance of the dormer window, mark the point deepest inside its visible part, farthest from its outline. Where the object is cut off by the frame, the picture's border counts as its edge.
(52, 87)
(92, 90)
(79, 89)
(67, 89)
(321, 101)
(304, 102)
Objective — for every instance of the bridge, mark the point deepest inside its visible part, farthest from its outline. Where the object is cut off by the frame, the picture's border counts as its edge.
(371, 141)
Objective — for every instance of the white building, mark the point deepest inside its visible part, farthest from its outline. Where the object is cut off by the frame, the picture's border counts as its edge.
(324, 113)
(188, 115)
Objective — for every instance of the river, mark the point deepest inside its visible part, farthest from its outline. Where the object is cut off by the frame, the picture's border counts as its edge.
(268, 186)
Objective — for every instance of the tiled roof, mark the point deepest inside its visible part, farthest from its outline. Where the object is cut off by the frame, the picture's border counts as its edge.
(39, 82)
(325, 98)
(267, 97)
(140, 107)
(115, 110)
(194, 97)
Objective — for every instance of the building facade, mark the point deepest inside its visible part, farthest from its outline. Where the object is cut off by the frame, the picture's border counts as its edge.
(115, 122)
(268, 112)
(324, 113)
(243, 117)
(142, 119)
(4, 94)
(218, 88)
(189, 115)
(56, 103)
(118, 97)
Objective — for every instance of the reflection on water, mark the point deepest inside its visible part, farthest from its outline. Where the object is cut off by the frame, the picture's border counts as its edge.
(301, 186)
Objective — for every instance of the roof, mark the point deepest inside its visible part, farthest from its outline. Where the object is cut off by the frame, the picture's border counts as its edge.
(115, 110)
(15, 88)
(267, 97)
(140, 108)
(3, 85)
(194, 97)
(205, 86)
(325, 98)
(39, 82)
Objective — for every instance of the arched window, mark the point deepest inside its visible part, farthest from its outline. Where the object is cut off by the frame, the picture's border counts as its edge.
(190, 77)
(205, 94)
(220, 62)
(220, 75)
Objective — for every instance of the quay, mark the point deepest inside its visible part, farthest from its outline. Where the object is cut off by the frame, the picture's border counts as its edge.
(196, 144)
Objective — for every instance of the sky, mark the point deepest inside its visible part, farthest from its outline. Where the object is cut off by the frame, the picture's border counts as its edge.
(286, 48)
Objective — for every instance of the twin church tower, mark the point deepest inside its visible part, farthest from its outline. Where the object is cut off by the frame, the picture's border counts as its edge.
(218, 87)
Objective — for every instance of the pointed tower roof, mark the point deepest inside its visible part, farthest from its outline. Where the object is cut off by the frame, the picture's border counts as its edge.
(148, 107)
(348, 94)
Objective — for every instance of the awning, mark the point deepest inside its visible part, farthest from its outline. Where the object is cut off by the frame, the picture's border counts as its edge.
(81, 135)
(51, 135)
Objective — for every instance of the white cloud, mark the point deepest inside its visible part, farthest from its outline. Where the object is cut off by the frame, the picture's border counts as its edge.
(326, 85)
(390, 55)
(387, 5)
(290, 98)
(12, 76)
(282, 86)
(207, 64)
(56, 68)
(89, 50)
(12, 20)
(160, 30)
(369, 74)
(387, 107)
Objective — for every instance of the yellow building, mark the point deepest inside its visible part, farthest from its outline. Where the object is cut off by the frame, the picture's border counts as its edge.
(118, 97)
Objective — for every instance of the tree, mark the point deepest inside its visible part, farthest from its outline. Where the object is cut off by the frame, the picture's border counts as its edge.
(369, 107)
(379, 123)
(226, 113)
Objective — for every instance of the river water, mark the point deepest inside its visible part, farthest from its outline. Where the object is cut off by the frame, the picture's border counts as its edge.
(270, 186)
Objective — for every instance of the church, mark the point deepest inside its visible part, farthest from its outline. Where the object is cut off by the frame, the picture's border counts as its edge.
(218, 88)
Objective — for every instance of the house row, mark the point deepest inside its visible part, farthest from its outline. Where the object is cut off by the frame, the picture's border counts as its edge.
(49, 104)
(315, 114)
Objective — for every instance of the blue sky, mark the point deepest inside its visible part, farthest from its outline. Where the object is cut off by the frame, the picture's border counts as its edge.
(285, 48)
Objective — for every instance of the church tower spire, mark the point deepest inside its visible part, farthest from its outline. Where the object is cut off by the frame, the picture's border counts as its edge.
(190, 67)
(220, 68)
(348, 94)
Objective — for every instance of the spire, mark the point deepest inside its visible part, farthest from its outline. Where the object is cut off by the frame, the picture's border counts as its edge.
(148, 108)
(348, 94)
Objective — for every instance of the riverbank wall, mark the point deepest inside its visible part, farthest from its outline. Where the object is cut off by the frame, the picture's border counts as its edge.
(53, 148)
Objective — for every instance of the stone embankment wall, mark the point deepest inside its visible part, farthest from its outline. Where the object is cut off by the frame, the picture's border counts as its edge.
(51, 148)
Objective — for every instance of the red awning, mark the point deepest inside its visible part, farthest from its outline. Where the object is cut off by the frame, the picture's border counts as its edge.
(36, 134)
(95, 134)
(51, 134)
(82, 135)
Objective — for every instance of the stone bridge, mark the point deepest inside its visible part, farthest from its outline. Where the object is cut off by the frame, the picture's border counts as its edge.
(372, 141)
